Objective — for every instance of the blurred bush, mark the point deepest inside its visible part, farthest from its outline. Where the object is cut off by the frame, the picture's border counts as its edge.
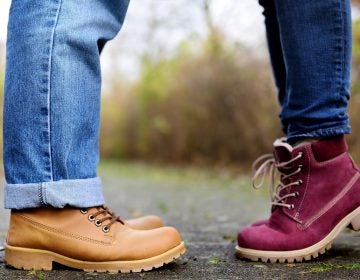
(213, 105)
(216, 104)
(354, 107)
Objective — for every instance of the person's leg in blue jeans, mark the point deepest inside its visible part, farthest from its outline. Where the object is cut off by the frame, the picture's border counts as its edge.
(318, 191)
(51, 127)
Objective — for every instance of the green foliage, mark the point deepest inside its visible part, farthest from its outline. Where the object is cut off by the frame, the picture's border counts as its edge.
(211, 105)
(189, 175)
(324, 267)
(164, 208)
(354, 107)
(216, 260)
(111, 140)
(37, 275)
(216, 104)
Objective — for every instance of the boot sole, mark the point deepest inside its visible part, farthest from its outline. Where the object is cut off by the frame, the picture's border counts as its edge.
(305, 254)
(28, 259)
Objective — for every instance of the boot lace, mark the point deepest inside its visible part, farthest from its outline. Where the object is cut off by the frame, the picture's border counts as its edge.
(106, 214)
(266, 165)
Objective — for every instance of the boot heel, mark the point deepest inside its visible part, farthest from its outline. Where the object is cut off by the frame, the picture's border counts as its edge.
(355, 223)
(27, 259)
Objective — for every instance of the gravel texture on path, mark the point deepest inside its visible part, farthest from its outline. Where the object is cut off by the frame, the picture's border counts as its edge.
(208, 208)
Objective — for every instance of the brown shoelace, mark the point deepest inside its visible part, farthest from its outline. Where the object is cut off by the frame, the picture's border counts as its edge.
(107, 215)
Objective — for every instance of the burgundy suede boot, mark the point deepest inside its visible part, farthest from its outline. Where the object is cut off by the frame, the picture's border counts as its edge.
(318, 196)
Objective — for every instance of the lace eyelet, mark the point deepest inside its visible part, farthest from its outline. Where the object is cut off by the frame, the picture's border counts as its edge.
(291, 206)
(296, 194)
(97, 223)
(91, 218)
(300, 154)
(300, 182)
(105, 229)
(83, 211)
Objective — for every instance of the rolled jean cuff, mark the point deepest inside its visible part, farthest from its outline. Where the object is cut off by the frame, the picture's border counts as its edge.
(79, 193)
(320, 133)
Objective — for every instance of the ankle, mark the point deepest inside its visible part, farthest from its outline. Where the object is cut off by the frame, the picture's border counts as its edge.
(303, 141)
(324, 148)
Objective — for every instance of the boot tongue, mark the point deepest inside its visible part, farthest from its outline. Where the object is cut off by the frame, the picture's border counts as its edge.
(282, 150)
(282, 153)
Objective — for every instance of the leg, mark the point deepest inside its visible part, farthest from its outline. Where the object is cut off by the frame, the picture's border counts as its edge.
(275, 51)
(50, 140)
(316, 43)
(51, 123)
(318, 193)
(52, 101)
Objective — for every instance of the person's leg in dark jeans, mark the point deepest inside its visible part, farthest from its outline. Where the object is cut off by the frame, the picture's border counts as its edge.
(318, 192)
(276, 52)
(51, 128)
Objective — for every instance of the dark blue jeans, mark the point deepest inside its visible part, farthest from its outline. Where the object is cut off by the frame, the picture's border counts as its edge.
(310, 50)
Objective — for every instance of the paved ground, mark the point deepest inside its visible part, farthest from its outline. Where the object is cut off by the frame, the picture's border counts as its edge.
(208, 208)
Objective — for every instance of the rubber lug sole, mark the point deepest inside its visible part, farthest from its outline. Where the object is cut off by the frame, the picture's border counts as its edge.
(28, 259)
(305, 254)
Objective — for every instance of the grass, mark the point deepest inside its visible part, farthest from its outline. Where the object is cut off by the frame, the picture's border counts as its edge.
(164, 208)
(216, 260)
(184, 175)
(324, 267)
(37, 275)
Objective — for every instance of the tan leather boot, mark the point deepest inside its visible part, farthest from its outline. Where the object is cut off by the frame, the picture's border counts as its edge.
(145, 222)
(91, 240)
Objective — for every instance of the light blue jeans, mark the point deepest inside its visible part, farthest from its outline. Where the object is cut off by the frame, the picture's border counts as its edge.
(52, 100)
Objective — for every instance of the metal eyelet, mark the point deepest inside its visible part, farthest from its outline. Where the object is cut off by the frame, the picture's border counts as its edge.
(291, 206)
(300, 182)
(83, 211)
(105, 229)
(91, 218)
(97, 223)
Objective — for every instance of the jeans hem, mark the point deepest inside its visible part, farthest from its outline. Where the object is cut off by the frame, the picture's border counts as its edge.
(79, 193)
(322, 132)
